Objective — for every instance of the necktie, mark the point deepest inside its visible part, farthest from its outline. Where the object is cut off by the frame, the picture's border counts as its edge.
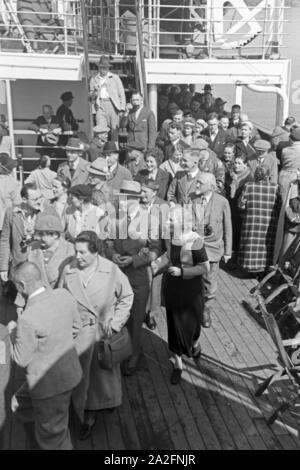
(72, 171)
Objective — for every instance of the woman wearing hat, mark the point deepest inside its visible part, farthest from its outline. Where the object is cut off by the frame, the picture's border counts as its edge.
(43, 177)
(83, 215)
(9, 187)
(189, 124)
(153, 159)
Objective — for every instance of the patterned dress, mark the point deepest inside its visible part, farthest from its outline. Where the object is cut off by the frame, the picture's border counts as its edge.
(259, 223)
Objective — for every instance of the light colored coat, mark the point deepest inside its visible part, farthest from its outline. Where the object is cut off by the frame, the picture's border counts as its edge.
(112, 301)
(114, 87)
(81, 174)
(217, 214)
(9, 194)
(44, 343)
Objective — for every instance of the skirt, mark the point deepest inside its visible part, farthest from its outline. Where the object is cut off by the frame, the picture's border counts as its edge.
(184, 302)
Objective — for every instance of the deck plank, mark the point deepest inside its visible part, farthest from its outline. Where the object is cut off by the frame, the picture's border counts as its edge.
(214, 405)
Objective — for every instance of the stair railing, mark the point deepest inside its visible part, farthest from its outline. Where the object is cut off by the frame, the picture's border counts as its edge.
(140, 52)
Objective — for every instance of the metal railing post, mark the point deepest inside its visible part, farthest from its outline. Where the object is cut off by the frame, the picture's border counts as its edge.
(10, 117)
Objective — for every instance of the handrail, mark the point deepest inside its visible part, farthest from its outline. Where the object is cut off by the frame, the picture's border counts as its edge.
(140, 51)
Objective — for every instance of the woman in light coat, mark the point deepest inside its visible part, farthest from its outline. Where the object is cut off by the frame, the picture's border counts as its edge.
(43, 177)
(104, 299)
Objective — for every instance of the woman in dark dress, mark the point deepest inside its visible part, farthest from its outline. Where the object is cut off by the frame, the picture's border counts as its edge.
(183, 289)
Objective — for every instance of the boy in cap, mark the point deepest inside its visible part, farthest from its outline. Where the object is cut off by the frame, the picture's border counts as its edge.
(108, 95)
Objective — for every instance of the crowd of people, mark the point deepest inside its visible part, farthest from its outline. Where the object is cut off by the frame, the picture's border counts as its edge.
(104, 241)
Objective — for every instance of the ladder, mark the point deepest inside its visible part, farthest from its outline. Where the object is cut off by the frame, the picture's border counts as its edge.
(13, 17)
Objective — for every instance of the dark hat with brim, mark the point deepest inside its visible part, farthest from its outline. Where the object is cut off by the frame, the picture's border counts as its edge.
(220, 101)
(130, 188)
(110, 147)
(150, 184)
(7, 164)
(66, 96)
(104, 61)
(81, 191)
(75, 144)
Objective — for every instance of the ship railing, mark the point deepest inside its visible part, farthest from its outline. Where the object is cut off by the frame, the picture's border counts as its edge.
(186, 30)
(59, 31)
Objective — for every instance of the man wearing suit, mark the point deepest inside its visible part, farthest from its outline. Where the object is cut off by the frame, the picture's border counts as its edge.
(216, 228)
(140, 122)
(158, 212)
(264, 159)
(18, 228)
(107, 93)
(133, 252)
(66, 117)
(183, 186)
(215, 136)
(43, 342)
(117, 173)
(75, 168)
(44, 124)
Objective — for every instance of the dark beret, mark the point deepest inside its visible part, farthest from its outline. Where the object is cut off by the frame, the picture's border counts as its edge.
(68, 95)
(81, 191)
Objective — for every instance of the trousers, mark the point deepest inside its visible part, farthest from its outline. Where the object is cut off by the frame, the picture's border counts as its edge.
(210, 281)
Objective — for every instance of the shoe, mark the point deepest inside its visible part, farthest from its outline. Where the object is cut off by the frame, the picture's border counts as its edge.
(176, 376)
(150, 321)
(86, 429)
(206, 319)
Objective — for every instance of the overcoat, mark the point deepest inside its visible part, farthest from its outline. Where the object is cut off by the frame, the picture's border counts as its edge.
(110, 299)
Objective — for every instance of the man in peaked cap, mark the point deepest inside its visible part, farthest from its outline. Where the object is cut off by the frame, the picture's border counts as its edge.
(66, 117)
(51, 252)
(75, 168)
(265, 159)
(101, 136)
(117, 172)
(135, 158)
(108, 95)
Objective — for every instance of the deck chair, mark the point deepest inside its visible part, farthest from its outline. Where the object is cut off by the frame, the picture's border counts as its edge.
(285, 360)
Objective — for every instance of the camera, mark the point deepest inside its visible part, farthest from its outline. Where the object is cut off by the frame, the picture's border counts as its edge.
(208, 230)
(25, 242)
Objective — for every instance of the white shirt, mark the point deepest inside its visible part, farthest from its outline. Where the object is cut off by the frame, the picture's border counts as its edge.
(37, 292)
(73, 165)
(192, 174)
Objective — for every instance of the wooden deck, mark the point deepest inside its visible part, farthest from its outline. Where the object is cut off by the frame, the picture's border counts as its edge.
(214, 405)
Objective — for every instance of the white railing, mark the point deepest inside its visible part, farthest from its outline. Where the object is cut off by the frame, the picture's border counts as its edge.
(186, 28)
(57, 28)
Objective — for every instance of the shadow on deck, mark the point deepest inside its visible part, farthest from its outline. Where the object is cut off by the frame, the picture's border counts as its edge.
(213, 407)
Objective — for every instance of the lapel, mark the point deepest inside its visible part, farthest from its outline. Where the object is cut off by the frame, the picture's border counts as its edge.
(75, 287)
(36, 257)
(17, 221)
(187, 187)
(78, 170)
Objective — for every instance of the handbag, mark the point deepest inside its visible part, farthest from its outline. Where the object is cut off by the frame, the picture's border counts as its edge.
(114, 350)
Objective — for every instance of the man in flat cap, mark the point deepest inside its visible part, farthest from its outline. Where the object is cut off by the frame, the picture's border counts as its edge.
(101, 134)
(66, 117)
(50, 252)
(75, 168)
(135, 158)
(108, 95)
(265, 159)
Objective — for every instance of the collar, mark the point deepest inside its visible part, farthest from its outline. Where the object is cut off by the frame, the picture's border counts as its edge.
(206, 197)
(104, 266)
(75, 164)
(193, 174)
(113, 168)
(37, 292)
